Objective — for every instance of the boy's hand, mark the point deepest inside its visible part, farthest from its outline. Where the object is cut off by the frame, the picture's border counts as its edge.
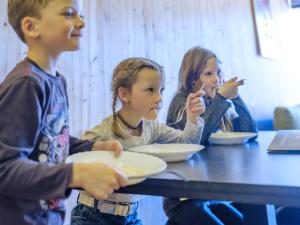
(195, 105)
(98, 179)
(229, 89)
(109, 145)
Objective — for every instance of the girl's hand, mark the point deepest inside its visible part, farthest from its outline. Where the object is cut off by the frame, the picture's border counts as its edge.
(229, 89)
(195, 105)
(109, 145)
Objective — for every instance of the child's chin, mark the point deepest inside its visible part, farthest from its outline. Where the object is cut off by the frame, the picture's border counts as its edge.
(72, 49)
(152, 116)
(211, 95)
(74, 46)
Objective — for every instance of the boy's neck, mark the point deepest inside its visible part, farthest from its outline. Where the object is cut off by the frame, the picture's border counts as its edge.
(44, 60)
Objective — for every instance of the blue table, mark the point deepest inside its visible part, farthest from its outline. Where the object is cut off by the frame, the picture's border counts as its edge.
(241, 173)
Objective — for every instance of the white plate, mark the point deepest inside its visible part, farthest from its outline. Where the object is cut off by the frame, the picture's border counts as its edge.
(169, 152)
(230, 138)
(145, 165)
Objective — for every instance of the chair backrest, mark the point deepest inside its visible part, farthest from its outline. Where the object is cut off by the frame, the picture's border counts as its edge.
(287, 118)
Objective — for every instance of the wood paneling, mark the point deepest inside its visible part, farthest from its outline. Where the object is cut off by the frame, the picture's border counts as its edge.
(164, 30)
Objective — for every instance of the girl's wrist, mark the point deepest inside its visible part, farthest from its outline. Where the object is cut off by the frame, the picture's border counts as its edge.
(198, 122)
(193, 120)
(222, 96)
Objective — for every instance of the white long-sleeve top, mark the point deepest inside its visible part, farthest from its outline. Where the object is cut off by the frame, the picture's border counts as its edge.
(153, 132)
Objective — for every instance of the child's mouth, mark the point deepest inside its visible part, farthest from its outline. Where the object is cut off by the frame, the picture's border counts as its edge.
(76, 35)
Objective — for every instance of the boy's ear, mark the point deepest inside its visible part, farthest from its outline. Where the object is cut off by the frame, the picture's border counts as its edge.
(29, 27)
(124, 94)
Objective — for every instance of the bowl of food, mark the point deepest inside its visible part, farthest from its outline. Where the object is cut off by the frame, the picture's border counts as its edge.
(169, 152)
(230, 138)
(136, 166)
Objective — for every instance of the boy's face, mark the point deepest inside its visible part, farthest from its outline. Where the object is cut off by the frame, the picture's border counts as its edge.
(145, 95)
(60, 26)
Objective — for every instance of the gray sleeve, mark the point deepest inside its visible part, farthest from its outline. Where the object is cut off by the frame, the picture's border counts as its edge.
(100, 132)
(213, 115)
(78, 145)
(27, 179)
(191, 134)
(21, 107)
(245, 122)
(177, 120)
(176, 109)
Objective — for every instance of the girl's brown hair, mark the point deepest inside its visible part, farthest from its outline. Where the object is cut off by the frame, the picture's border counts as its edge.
(125, 75)
(192, 65)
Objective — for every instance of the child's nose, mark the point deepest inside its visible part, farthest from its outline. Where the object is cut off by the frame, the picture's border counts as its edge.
(158, 97)
(80, 24)
(215, 78)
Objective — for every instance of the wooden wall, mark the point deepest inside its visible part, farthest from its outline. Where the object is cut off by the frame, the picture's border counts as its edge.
(164, 30)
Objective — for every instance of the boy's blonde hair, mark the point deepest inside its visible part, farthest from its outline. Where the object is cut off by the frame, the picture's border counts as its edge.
(125, 75)
(17, 10)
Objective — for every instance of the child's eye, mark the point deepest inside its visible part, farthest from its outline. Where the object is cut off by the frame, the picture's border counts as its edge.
(69, 13)
(150, 89)
(81, 16)
(162, 90)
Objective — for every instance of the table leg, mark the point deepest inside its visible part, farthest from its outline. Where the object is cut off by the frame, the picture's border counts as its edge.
(258, 214)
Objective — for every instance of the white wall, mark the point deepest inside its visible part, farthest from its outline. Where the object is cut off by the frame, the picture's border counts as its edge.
(164, 30)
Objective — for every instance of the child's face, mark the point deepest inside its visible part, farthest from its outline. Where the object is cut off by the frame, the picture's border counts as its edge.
(145, 95)
(211, 78)
(60, 26)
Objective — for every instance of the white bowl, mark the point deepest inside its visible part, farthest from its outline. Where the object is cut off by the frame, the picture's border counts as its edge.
(230, 138)
(146, 164)
(169, 152)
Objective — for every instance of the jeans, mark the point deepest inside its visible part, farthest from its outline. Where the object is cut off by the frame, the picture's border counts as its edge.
(199, 212)
(85, 215)
(287, 216)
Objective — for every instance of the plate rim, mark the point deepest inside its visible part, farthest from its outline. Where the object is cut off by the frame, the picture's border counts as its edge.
(163, 163)
(231, 140)
(250, 135)
(201, 147)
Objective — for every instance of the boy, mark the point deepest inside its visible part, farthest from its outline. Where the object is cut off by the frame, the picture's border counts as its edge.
(34, 130)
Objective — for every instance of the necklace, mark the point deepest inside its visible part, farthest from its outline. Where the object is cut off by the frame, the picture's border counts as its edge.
(127, 124)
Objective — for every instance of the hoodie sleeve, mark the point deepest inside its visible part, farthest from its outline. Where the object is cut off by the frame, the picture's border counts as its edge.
(21, 110)
(212, 115)
(191, 133)
(245, 122)
(78, 145)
